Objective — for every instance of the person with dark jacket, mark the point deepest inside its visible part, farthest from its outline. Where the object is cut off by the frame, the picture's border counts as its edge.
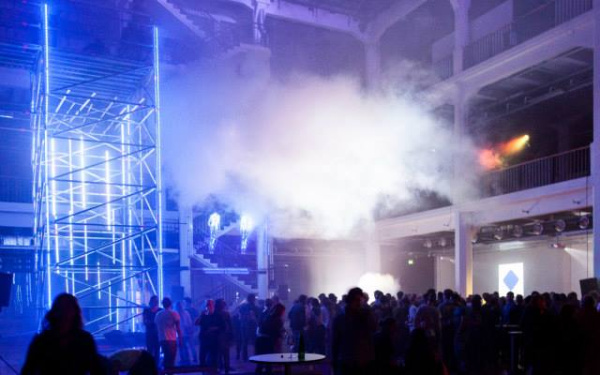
(149, 315)
(63, 347)
(270, 335)
(297, 317)
(352, 341)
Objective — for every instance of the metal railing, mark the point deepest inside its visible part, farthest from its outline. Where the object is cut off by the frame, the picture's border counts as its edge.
(565, 166)
(525, 27)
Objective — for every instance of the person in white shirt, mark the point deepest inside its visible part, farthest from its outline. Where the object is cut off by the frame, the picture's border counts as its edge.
(168, 326)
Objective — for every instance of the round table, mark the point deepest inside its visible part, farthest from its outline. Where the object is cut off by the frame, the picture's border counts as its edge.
(286, 359)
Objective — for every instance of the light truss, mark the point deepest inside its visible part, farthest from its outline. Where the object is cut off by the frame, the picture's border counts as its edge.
(97, 181)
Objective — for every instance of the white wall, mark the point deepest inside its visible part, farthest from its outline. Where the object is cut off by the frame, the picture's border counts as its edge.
(444, 273)
(545, 268)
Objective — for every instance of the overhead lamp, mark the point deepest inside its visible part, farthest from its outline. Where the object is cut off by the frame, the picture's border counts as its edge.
(560, 226)
(443, 242)
(499, 233)
(428, 244)
(584, 222)
(535, 229)
(517, 231)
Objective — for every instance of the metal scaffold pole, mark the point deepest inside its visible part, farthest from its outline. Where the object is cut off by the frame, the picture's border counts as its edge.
(97, 177)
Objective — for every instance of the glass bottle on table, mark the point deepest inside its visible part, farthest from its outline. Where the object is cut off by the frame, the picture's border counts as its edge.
(301, 348)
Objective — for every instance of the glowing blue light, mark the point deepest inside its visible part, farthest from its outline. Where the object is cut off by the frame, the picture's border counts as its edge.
(84, 205)
(246, 226)
(71, 211)
(98, 281)
(214, 224)
(158, 163)
(46, 98)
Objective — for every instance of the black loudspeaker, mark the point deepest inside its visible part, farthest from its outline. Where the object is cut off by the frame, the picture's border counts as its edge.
(282, 292)
(6, 280)
(176, 293)
(589, 285)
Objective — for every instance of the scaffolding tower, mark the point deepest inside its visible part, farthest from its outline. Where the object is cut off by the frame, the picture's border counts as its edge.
(97, 178)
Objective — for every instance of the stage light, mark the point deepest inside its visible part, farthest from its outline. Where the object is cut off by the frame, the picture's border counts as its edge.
(428, 244)
(535, 229)
(411, 262)
(443, 242)
(584, 222)
(560, 226)
(214, 224)
(246, 225)
(517, 231)
(499, 233)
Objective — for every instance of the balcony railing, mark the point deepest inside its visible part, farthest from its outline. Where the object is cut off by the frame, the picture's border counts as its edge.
(540, 172)
(524, 28)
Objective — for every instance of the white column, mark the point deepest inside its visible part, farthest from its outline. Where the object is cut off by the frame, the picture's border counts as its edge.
(461, 31)
(461, 124)
(372, 249)
(372, 64)
(260, 14)
(262, 260)
(595, 147)
(186, 247)
(463, 253)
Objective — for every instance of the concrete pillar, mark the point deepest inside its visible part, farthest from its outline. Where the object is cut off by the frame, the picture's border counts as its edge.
(262, 260)
(186, 247)
(461, 32)
(260, 14)
(372, 64)
(595, 147)
(461, 127)
(463, 253)
(372, 249)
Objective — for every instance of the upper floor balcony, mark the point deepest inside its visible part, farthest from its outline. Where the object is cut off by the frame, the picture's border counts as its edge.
(544, 171)
(502, 28)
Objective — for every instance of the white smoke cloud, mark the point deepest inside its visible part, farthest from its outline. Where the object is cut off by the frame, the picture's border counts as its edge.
(386, 283)
(320, 152)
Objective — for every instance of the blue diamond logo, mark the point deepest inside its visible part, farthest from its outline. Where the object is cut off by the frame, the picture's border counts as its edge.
(510, 280)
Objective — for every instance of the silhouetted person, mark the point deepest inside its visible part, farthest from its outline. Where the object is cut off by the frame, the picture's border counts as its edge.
(421, 357)
(352, 345)
(187, 328)
(249, 314)
(270, 335)
(222, 320)
(385, 341)
(209, 333)
(167, 322)
(297, 317)
(63, 347)
(149, 315)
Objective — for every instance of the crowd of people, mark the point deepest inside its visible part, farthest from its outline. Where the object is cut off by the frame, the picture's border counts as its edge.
(437, 333)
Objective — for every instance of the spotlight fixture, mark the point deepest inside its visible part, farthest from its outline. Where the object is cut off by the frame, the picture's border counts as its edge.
(535, 229)
(517, 231)
(584, 222)
(428, 244)
(443, 242)
(560, 226)
(499, 233)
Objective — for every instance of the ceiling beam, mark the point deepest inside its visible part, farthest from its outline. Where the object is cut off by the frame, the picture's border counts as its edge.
(313, 17)
(386, 19)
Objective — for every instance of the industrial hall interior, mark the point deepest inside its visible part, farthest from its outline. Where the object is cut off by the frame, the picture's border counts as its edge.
(279, 171)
